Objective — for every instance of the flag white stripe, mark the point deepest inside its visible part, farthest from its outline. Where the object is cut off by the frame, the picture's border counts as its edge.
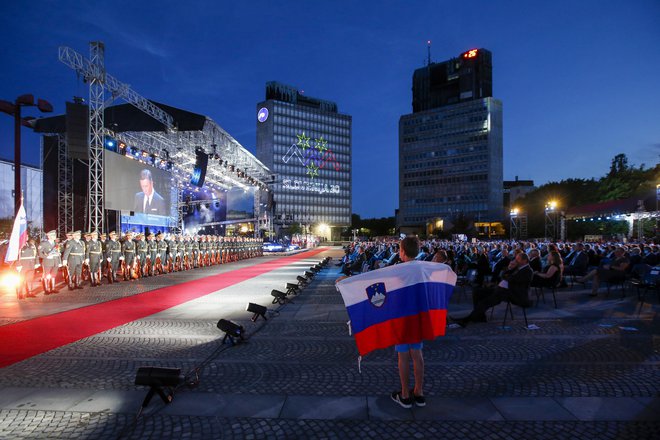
(353, 289)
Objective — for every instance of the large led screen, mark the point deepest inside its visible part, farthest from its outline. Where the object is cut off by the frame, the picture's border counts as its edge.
(134, 186)
(240, 204)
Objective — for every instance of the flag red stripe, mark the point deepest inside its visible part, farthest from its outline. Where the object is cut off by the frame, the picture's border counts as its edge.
(406, 330)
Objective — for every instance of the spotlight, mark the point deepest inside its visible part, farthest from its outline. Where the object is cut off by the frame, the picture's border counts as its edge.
(302, 281)
(156, 379)
(292, 289)
(314, 269)
(279, 297)
(232, 331)
(257, 310)
(309, 274)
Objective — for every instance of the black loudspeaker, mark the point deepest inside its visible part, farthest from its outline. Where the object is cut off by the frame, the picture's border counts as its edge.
(199, 173)
(77, 130)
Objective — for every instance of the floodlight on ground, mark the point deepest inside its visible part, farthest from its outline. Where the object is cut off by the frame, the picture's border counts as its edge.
(158, 380)
(257, 311)
(292, 289)
(232, 331)
(309, 274)
(302, 281)
(279, 297)
(314, 269)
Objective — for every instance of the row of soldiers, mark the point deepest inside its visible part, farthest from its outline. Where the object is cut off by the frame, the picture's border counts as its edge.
(130, 257)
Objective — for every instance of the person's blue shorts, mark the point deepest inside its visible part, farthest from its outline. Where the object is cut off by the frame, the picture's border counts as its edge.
(403, 348)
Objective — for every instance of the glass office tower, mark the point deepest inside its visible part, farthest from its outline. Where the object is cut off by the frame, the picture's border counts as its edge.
(306, 142)
(450, 147)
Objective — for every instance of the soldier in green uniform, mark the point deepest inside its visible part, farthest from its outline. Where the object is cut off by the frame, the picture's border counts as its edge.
(113, 256)
(141, 249)
(194, 244)
(162, 251)
(28, 261)
(74, 254)
(94, 259)
(49, 252)
(128, 254)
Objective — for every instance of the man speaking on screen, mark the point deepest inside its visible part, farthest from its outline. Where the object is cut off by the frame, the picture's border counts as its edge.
(149, 201)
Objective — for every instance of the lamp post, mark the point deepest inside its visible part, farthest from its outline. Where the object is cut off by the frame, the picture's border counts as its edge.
(551, 220)
(14, 109)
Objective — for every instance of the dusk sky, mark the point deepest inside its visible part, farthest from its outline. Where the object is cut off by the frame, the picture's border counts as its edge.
(579, 80)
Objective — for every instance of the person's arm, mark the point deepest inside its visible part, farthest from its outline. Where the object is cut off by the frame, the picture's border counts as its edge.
(549, 274)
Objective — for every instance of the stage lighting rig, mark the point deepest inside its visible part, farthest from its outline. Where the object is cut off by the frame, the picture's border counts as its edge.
(257, 311)
(292, 289)
(160, 381)
(279, 297)
(232, 331)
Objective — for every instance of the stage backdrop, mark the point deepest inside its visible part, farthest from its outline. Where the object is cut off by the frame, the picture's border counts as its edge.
(126, 183)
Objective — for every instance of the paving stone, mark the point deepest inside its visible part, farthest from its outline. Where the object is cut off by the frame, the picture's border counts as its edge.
(324, 407)
(531, 408)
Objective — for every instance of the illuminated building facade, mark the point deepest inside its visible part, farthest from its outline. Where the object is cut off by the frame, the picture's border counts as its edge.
(306, 143)
(450, 147)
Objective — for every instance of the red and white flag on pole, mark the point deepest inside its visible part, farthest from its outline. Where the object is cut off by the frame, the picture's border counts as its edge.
(19, 235)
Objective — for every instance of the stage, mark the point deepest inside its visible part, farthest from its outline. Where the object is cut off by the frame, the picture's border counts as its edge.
(581, 373)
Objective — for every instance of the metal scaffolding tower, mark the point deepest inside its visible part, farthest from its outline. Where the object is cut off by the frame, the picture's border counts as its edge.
(235, 166)
(518, 227)
(96, 77)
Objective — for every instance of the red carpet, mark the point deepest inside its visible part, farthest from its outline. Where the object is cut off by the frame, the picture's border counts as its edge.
(35, 336)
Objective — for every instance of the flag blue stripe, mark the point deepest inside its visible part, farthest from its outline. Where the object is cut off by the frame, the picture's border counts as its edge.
(407, 301)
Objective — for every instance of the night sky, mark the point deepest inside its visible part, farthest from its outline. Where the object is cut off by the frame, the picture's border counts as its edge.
(579, 80)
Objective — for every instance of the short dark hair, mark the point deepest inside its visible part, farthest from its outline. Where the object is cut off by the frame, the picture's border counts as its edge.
(524, 257)
(410, 246)
(145, 174)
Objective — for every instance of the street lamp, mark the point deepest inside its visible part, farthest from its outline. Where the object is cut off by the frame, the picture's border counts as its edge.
(14, 109)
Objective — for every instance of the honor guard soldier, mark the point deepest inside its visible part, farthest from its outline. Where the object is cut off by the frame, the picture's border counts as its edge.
(194, 244)
(180, 251)
(223, 248)
(113, 256)
(152, 252)
(202, 250)
(74, 254)
(49, 253)
(128, 253)
(210, 243)
(187, 242)
(162, 252)
(94, 259)
(141, 249)
(28, 261)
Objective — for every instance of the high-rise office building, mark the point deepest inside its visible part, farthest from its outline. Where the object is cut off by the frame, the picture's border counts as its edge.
(306, 142)
(450, 147)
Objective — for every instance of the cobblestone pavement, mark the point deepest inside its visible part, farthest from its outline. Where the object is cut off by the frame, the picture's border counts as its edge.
(589, 371)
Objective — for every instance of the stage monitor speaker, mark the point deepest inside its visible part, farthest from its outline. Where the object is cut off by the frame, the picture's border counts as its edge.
(199, 173)
(77, 130)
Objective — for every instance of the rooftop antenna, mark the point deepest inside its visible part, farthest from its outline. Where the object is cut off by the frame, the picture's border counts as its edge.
(428, 50)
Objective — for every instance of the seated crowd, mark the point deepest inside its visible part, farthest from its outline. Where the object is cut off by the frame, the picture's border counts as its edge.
(505, 270)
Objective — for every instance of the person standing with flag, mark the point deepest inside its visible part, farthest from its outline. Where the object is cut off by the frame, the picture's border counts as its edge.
(19, 235)
(408, 251)
(400, 306)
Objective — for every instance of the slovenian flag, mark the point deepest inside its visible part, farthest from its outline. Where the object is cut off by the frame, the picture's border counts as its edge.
(401, 304)
(19, 235)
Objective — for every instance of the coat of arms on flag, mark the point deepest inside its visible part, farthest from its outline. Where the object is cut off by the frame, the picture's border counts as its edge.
(377, 293)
